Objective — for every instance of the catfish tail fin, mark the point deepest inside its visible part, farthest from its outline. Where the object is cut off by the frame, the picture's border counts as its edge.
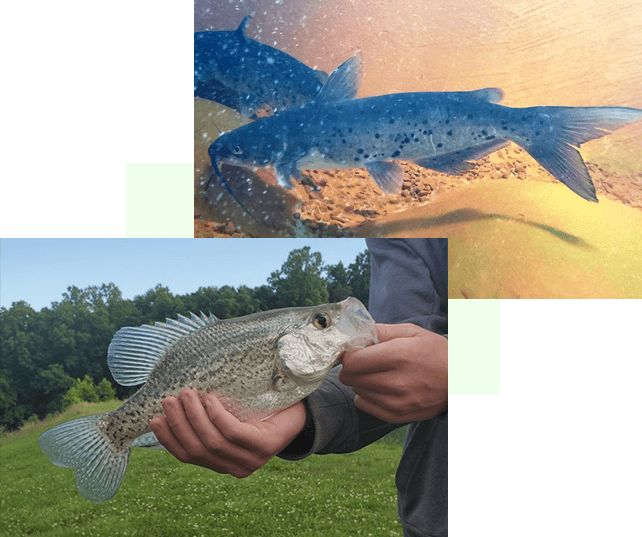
(563, 130)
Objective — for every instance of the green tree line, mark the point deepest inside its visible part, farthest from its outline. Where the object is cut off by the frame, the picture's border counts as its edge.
(45, 354)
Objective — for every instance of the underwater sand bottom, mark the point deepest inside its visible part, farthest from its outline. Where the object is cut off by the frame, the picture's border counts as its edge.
(349, 204)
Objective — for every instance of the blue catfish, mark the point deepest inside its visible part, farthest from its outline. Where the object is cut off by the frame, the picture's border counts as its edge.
(442, 131)
(239, 72)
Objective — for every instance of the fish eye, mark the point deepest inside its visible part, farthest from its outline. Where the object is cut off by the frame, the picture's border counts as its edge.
(321, 320)
(237, 150)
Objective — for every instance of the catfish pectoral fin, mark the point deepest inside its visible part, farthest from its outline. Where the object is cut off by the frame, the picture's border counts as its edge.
(286, 170)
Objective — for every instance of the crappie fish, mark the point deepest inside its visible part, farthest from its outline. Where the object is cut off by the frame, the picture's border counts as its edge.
(257, 365)
(442, 131)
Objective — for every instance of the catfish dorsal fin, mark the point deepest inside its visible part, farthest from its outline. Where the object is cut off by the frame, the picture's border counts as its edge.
(344, 81)
(134, 351)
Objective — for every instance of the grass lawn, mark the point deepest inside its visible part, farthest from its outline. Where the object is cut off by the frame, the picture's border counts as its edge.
(352, 494)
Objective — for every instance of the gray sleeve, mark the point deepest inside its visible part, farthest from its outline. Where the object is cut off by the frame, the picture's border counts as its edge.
(334, 424)
(409, 283)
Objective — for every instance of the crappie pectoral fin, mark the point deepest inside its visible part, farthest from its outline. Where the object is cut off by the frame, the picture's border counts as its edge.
(134, 351)
(570, 127)
(78, 444)
(388, 175)
(456, 163)
(343, 83)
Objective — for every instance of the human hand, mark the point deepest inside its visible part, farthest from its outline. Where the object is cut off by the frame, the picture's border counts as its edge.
(199, 430)
(403, 378)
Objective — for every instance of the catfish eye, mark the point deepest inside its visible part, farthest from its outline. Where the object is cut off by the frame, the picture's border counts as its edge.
(321, 320)
(237, 150)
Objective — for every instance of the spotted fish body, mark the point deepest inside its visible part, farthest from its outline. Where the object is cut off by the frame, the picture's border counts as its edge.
(439, 131)
(239, 72)
(257, 365)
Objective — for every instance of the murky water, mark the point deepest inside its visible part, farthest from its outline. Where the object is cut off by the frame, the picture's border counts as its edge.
(548, 53)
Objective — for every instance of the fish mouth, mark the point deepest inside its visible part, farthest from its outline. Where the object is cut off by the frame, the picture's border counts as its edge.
(356, 321)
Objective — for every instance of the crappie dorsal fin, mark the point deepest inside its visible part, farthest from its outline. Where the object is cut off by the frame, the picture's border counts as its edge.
(343, 84)
(134, 351)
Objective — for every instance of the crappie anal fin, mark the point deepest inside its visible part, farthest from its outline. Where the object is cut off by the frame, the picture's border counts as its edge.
(148, 440)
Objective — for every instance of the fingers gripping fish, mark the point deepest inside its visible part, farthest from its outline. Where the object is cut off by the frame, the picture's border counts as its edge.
(441, 131)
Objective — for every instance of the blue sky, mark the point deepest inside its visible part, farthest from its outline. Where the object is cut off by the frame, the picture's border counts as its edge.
(38, 271)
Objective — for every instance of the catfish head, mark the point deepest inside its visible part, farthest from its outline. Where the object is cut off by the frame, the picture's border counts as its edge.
(252, 145)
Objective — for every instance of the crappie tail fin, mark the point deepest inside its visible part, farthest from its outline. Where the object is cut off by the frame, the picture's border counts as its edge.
(564, 129)
(78, 444)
